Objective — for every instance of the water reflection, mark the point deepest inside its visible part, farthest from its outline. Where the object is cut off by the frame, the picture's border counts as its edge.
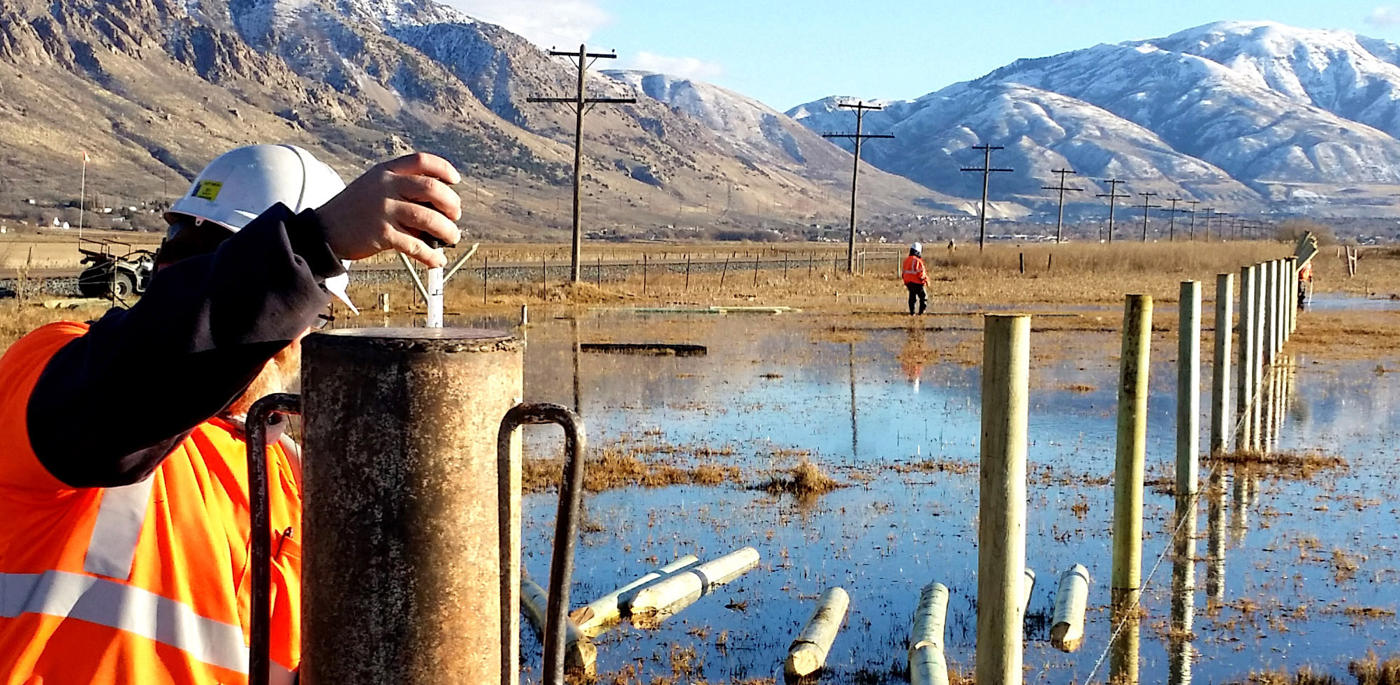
(1215, 540)
(774, 384)
(1183, 609)
(1126, 617)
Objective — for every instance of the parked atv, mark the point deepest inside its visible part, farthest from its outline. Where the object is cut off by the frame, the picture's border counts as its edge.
(116, 271)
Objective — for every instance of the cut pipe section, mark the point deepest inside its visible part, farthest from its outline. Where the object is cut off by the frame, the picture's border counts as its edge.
(580, 654)
(927, 663)
(668, 596)
(595, 616)
(807, 654)
(1071, 600)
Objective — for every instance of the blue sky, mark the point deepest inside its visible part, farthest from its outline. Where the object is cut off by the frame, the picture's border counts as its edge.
(787, 53)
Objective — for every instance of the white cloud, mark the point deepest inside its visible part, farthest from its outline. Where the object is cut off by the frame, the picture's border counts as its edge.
(1384, 16)
(546, 23)
(685, 67)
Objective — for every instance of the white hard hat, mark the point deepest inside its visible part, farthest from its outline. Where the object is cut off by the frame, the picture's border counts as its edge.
(917, 247)
(244, 182)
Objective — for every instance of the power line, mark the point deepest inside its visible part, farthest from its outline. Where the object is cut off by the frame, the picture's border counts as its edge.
(1146, 206)
(1171, 225)
(986, 170)
(1112, 196)
(582, 104)
(861, 108)
(1060, 219)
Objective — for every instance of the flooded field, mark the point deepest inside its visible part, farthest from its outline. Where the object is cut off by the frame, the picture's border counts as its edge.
(1292, 566)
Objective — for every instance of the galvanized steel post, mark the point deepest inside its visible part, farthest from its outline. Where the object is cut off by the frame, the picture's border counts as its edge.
(1269, 310)
(403, 553)
(1131, 449)
(1244, 389)
(1001, 529)
(1220, 367)
(1257, 381)
(1188, 388)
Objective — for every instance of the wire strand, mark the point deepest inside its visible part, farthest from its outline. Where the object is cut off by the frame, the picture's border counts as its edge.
(1247, 413)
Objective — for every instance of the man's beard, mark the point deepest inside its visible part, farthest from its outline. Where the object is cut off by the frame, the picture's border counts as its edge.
(282, 373)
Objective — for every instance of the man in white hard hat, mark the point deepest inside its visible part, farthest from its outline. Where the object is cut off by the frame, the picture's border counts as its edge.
(915, 277)
(122, 479)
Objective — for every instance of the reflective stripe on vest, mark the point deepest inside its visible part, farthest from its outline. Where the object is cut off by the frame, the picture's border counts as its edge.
(120, 518)
(126, 608)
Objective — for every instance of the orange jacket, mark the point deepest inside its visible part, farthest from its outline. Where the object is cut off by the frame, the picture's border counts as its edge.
(144, 583)
(913, 270)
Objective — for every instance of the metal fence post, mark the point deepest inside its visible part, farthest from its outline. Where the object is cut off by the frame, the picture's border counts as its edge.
(1131, 447)
(1188, 389)
(1220, 416)
(1001, 529)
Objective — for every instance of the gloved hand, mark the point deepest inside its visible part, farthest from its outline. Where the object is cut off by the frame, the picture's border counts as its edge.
(393, 206)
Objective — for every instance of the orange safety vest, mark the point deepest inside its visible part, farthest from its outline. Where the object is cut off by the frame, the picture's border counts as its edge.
(144, 583)
(913, 270)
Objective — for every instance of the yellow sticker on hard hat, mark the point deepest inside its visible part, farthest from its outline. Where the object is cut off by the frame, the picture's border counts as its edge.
(208, 190)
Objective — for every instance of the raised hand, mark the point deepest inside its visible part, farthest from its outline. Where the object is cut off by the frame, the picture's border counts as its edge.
(394, 206)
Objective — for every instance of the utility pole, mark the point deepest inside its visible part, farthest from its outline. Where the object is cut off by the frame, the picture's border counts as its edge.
(1060, 219)
(858, 137)
(1210, 211)
(1146, 205)
(1171, 216)
(1112, 196)
(986, 171)
(1193, 204)
(581, 104)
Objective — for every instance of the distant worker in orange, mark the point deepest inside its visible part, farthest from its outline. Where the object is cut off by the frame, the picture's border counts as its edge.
(915, 277)
(1305, 277)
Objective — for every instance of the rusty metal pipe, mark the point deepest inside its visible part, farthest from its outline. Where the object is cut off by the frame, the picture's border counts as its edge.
(403, 572)
(261, 526)
(565, 527)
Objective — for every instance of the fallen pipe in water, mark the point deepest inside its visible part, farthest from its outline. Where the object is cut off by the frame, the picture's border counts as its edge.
(691, 584)
(1071, 599)
(927, 663)
(593, 617)
(808, 651)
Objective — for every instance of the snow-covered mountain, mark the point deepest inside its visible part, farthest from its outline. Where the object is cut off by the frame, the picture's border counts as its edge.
(155, 88)
(1244, 114)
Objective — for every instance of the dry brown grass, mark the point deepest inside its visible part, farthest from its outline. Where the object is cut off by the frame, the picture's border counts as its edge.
(622, 466)
(1369, 671)
(18, 319)
(1288, 465)
(805, 479)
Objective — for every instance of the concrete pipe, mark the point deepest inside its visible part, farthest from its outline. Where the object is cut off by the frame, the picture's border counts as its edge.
(402, 554)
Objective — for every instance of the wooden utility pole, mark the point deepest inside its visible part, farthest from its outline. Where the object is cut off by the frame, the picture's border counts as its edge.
(1171, 219)
(1209, 211)
(858, 137)
(581, 104)
(1112, 196)
(1193, 204)
(1061, 187)
(1146, 206)
(986, 171)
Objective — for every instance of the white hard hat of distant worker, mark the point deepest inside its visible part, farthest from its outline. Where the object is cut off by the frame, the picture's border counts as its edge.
(917, 247)
(244, 182)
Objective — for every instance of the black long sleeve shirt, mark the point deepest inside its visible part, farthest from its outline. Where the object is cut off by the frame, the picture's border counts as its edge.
(110, 405)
